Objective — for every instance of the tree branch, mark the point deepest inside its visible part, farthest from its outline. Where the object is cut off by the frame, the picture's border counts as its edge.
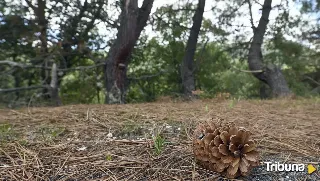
(50, 11)
(25, 66)
(12, 64)
(82, 67)
(113, 24)
(95, 16)
(232, 11)
(71, 29)
(31, 6)
(143, 16)
(149, 76)
(174, 23)
(258, 2)
(248, 71)
(24, 88)
(312, 80)
(182, 9)
(251, 16)
(198, 62)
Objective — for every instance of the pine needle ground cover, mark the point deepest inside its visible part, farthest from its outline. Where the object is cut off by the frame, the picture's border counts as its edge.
(151, 141)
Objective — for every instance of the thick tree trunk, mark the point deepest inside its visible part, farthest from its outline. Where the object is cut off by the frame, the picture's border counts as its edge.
(264, 91)
(187, 66)
(270, 74)
(132, 22)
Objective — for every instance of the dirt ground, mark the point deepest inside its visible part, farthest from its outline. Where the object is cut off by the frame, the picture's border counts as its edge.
(119, 142)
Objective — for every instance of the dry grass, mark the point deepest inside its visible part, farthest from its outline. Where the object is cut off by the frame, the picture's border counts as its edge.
(75, 142)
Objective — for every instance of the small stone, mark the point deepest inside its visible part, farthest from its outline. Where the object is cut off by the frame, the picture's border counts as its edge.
(109, 135)
(82, 148)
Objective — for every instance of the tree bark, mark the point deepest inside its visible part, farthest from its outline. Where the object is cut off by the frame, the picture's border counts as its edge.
(187, 66)
(271, 74)
(54, 86)
(132, 22)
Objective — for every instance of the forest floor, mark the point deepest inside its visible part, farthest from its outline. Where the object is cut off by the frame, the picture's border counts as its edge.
(116, 142)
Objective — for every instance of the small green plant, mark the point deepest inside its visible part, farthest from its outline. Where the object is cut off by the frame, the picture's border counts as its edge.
(108, 157)
(49, 134)
(207, 109)
(23, 142)
(159, 143)
(6, 132)
(232, 103)
(131, 129)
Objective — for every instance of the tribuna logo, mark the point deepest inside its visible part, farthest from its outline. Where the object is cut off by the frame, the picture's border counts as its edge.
(280, 167)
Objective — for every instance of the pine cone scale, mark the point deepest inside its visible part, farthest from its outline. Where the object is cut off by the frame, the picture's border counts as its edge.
(250, 146)
(223, 149)
(235, 162)
(252, 156)
(232, 170)
(227, 159)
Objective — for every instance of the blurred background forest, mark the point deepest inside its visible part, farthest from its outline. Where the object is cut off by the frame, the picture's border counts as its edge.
(58, 52)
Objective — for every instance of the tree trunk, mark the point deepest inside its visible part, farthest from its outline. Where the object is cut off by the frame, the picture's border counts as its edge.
(54, 87)
(270, 74)
(17, 78)
(43, 25)
(47, 79)
(132, 22)
(264, 91)
(40, 13)
(187, 66)
(17, 83)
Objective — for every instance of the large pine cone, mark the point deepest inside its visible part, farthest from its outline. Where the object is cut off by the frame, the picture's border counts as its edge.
(224, 148)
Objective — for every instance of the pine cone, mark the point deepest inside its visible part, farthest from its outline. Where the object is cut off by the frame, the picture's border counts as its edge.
(224, 148)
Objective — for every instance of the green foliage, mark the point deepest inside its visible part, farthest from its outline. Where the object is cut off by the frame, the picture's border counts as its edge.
(108, 157)
(155, 70)
(206, 108)
(78, 88)
(131, 128)
(216, 72)
(84, 86)
(50, 133)
(296, 85)
(219, 73)
(159, 143)
(232, 103)
(173, 24)
(7, 133)
(308, 6)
